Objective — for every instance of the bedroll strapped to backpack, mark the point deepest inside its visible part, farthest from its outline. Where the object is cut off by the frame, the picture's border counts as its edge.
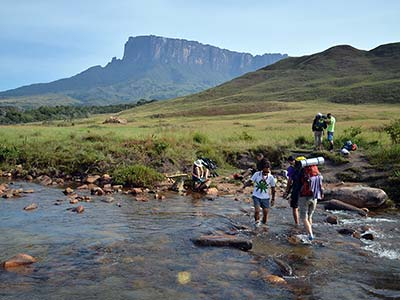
(306, 175)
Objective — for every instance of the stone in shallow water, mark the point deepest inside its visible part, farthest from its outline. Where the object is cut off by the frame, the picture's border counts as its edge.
(224, 240)
(20, 259)
(31, 206)
(274, 279)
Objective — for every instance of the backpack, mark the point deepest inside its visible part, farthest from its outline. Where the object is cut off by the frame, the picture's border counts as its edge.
(307, 173)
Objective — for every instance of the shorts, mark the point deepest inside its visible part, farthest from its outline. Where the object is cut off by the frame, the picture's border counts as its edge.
(294, 202)
(330, 136)
(263, 203)
(318, 137)
(307, 207)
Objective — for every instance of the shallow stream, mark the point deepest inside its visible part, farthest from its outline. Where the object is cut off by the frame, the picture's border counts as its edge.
(144, 250)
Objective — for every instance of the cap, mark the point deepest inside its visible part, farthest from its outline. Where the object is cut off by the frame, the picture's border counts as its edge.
(198, 162)
(290, 158)
(319, 115)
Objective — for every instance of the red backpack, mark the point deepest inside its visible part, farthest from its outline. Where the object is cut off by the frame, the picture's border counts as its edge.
(307, 173)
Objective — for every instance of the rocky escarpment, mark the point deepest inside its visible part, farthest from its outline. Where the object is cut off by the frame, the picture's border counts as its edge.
(152, 67)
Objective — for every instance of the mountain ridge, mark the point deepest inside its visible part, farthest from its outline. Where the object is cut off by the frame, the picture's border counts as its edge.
(151, 67)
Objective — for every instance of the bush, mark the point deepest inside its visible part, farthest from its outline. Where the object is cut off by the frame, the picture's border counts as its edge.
(393, 130)
(9, 154)
(136, 175)
(200, 138)
(350, 134)
(302, 141)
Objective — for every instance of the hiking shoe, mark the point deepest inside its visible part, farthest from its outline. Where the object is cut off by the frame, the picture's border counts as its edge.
(310, 238)
(257, 223)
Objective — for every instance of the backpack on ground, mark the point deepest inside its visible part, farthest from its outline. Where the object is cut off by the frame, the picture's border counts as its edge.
(305, 179)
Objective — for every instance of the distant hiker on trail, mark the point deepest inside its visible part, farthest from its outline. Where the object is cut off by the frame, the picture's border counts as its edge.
(200, 175)
(318, 127)
(292, 189)
(310, 181)
(263, 180)
(330, 121)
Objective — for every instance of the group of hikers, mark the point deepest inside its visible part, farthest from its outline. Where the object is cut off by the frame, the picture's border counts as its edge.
(304, 188)
(304, 181)
(320, 123)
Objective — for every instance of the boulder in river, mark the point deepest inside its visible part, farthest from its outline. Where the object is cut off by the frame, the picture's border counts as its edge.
(31, 206)
(274, 279)
(358, 196)
(339, 205)
(18, 260)
(224, 240)
(332, 219)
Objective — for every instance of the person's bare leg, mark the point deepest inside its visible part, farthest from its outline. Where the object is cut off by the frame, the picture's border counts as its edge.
(265, 215)
(308, 227)
(296, 216)
(257, 213)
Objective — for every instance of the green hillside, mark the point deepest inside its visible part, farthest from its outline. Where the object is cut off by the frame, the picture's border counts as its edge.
(341, 74)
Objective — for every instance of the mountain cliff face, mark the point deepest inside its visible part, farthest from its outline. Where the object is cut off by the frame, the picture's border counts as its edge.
(151, 68)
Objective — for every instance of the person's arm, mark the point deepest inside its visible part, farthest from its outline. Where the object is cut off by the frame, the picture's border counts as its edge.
(247, 183)
(288, 187)
(272, 196)
(196, 172)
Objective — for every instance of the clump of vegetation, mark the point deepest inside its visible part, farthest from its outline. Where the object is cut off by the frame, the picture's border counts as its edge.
(302, 141)
(393, 130)
(351, 134)
(200, 138)
(136, 175)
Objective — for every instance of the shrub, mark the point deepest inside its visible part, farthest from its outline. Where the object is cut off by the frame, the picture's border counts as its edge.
(352, 134)
(9, 154)
(160, 147)
(302, 141)
(393, 130)
(136, 175)
(200, 138)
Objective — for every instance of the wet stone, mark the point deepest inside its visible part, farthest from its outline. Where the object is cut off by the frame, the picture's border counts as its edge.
(31, 206)
(18, 260)
(332, 220)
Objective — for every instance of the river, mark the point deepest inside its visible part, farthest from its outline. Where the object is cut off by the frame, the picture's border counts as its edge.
(144, 250)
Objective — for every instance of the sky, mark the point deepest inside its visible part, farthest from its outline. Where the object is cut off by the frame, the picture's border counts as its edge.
(46, 40)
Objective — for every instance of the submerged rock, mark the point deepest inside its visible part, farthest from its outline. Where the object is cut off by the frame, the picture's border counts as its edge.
(20, 259)
(332, 220)
(274, 279)
(224, 240)
(358, 196)
(31, 206)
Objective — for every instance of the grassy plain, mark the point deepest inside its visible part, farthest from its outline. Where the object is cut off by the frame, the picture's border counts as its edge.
(169, 144)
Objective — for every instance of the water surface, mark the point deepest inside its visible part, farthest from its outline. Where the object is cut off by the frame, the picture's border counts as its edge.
(143, 250)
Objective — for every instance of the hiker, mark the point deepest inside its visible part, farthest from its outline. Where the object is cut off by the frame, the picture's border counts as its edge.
(330, 121)
(263, 180)
(200, 175)
(310, 192)
(318, 127)
(291, 189)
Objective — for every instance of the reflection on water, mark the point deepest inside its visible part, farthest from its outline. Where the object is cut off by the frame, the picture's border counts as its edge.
(143, 250)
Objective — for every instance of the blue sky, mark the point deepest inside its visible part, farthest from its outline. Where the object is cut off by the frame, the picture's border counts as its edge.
(45, 40)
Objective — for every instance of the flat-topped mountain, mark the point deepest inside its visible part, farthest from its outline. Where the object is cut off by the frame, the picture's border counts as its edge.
(341, 74)
(152, 67)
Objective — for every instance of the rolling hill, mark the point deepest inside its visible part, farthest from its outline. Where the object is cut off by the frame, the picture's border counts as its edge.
(341, 74)
(152, 67)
